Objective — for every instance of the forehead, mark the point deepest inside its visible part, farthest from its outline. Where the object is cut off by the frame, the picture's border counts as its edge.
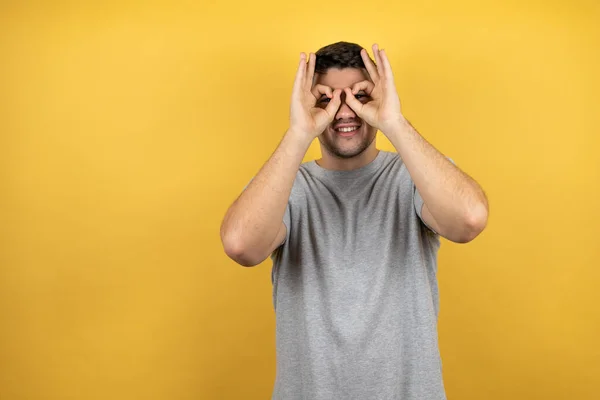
(341, 78)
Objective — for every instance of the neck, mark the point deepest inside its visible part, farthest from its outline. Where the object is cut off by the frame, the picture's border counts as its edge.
(333, 162)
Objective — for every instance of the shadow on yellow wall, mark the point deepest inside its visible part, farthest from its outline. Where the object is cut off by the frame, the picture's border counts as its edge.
(127, 130)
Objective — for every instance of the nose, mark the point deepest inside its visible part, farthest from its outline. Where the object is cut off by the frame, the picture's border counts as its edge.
(344, 112)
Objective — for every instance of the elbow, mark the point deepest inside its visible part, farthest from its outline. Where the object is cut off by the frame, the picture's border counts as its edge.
(239, 253)
(474, 223)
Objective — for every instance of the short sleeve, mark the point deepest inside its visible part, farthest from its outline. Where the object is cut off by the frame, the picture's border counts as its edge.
(287, 221)
(418, 202)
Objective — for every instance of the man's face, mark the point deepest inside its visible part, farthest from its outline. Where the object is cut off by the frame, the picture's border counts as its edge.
(336, 140)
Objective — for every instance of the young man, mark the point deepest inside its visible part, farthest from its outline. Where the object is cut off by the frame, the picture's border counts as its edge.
(353, 236)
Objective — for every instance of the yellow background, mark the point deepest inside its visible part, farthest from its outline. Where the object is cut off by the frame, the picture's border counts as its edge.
(127, 129)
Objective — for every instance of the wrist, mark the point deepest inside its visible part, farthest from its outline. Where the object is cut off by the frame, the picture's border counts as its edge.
(298, 139)
(399, 127)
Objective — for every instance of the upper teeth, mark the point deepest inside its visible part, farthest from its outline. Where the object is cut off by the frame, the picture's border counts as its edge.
(348, 129)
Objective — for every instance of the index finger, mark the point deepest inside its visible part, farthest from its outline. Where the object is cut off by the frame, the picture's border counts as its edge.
(319, 90)
(365, 85)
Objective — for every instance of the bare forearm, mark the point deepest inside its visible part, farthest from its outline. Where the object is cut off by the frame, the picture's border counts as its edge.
(455, 200)
(252, 222)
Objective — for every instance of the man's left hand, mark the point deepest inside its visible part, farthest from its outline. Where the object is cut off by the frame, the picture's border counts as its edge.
(383, 111)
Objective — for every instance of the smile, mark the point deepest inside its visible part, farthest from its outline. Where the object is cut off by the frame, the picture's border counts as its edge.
(347, 129)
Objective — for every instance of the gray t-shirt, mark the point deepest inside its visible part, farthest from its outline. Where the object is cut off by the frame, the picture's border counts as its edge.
(355, 289)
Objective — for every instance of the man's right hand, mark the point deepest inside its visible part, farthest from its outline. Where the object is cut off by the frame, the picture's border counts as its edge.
(306, 118)
(254, 226)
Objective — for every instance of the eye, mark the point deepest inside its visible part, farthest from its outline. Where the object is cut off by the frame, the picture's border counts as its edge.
(324, 100)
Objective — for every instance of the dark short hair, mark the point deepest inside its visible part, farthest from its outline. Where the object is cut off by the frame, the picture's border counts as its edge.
(338, 55)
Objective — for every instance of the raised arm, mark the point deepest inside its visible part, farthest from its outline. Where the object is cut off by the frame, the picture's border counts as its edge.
(455, 206)
(253, 225)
